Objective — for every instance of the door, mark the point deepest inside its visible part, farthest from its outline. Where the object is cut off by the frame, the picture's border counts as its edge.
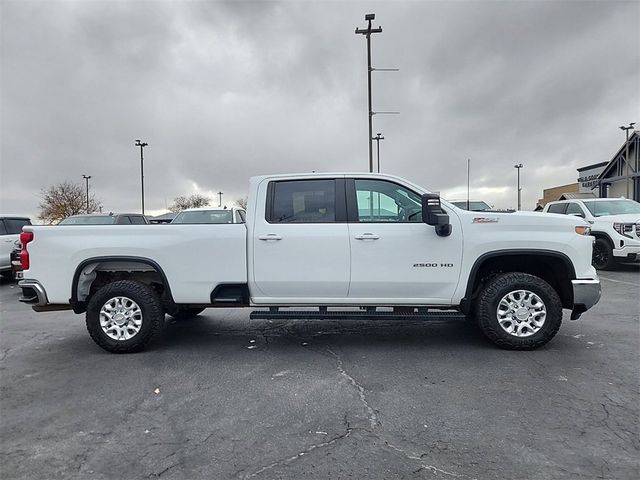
(395, 257)
(301, 243)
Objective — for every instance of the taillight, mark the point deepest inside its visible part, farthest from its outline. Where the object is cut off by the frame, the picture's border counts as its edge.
(25, 237)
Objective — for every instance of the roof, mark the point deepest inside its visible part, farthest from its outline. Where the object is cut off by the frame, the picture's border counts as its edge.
(594, 165)
(610, 164)
(575, 195)
(164, 216)
(209, 209)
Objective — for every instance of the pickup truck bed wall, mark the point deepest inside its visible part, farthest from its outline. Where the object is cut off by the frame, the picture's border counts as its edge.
(194, 258)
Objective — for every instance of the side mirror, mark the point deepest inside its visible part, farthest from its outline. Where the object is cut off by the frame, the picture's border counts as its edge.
(581, 215)
(433, 214)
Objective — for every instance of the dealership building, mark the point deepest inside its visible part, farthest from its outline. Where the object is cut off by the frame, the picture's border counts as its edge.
(614, 178)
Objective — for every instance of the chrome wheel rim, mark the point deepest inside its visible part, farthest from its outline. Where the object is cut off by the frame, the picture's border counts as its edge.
(120, 318)
(521, 313)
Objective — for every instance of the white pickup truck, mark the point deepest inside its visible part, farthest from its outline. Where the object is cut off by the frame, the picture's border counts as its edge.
(331, 241)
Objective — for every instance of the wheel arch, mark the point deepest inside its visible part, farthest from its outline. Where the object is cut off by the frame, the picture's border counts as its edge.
(142, 269)
(553, 267)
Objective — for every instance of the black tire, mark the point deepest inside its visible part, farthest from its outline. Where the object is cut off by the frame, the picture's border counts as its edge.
(184, 313)
(602, 257)
(150, 306)
(501, 285)
(7, 274)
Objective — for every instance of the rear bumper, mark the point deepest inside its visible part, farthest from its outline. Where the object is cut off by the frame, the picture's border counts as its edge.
(586, 293)
(33, 293)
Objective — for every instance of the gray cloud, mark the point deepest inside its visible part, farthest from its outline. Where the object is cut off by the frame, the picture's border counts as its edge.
(225, 90)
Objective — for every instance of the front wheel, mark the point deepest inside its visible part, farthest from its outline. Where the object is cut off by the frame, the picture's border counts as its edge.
(124, 316)
(518, 311)
(602, 256)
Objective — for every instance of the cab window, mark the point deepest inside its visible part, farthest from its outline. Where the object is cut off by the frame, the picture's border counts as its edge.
(557, 208)
(574, 209)
(380, 201)
(304, 201)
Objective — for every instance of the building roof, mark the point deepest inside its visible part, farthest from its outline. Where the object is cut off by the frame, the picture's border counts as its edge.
(634, 137)
(164, 216)
(575, 195)
(594, 165)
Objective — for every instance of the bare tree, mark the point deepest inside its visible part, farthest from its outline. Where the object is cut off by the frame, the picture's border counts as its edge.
(242, 202)
(192, 201)
(64, 199)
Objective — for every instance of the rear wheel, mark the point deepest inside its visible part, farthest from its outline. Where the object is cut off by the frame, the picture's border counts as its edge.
(602, 256)
(518, 311)
(124, 316)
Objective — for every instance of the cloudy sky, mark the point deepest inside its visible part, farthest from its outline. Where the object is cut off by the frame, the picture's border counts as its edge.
(225, 90)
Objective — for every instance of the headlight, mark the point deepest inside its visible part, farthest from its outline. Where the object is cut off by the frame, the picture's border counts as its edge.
(624, 229)
(583, 230)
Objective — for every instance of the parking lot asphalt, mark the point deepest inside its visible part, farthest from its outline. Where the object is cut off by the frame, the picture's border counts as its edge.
(222, 396)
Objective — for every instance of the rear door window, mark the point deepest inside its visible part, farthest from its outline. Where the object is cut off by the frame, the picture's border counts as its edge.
(303, 201)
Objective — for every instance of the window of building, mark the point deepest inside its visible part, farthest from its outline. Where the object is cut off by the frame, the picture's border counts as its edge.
(304, 201)
(381, 201)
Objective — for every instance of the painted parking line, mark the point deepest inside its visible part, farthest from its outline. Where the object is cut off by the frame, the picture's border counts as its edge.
(619, 281)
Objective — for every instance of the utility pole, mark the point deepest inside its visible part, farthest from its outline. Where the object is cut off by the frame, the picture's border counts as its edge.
(626, 154)
(367, 32)
(377, 138)
(519, 166)
(141, 145)
(86, 178)
(469, 181)
(220, 201)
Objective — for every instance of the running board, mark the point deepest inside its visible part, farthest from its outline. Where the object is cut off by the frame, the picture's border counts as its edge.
(275, 313)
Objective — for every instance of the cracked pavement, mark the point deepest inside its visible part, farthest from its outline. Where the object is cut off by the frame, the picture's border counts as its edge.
(322, 399)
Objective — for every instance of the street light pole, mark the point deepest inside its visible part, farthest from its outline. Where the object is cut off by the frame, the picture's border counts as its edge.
(86, 178)
(377, 138)
(220, 201)
(626, 154)
(519, 166)
(367, 32)
(141, 145)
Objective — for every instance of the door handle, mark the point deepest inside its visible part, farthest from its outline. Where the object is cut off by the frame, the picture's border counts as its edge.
(367, 236)
(270, 236)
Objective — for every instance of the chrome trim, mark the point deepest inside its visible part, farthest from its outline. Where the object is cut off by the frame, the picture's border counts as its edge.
(35, 285)
(586, 292)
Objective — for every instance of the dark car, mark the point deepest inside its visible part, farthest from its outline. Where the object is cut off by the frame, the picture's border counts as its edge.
(106, 219)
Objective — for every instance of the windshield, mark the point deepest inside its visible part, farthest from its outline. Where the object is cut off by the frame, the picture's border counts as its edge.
(205, 216)
(612, 207)
(88, 220)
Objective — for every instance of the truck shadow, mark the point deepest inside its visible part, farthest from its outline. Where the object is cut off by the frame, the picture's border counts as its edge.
(206, 331)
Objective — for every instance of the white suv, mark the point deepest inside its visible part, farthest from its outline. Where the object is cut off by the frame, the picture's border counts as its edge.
(615, 222)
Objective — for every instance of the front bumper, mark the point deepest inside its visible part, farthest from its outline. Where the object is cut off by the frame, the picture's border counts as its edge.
(586, 293)
(627, 250)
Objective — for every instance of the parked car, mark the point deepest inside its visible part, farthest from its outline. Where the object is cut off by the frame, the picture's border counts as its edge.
(615, 224)
(10, 228)
(210, 215)
(474, 205)
(106, 219)
(316, 240)
(16, 263)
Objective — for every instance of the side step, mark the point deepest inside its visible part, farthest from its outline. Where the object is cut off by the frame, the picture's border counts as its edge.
(369, 313)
